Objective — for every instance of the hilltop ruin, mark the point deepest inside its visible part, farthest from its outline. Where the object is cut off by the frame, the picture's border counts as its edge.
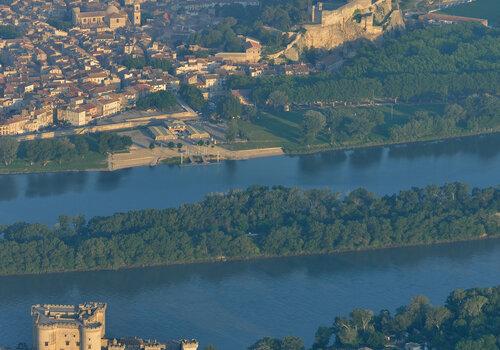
(357, 19)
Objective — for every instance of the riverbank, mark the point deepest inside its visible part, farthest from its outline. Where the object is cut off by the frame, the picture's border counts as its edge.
(141, 157)
(94, 162)
(223, 260)
(487, 9)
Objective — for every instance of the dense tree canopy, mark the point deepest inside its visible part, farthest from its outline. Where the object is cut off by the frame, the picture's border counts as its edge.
(255, 222)
(229, 107)
(468, 321)
(437, 63)
(8, 149)
(161, 100)
(9, 32)
(66, 149)
(313, 123)
(193, 96)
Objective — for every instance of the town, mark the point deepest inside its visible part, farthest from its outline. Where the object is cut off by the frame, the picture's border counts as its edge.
(72, 67)
(372, 224)
(152, 71)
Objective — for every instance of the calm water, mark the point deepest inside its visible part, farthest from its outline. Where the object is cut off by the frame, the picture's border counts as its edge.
(488, 9)
(43, 197)
(233, 304)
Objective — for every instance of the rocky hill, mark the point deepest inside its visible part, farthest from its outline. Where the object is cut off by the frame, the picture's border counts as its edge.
(355, 20)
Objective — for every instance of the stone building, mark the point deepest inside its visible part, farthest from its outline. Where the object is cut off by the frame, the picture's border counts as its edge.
(252, 53)
(83, 327)
(68, 327)
(111, 17)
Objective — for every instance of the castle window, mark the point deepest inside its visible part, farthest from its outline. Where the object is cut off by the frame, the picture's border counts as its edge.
(90, 346)
(77, 343)
(67, 342)
(46, 343)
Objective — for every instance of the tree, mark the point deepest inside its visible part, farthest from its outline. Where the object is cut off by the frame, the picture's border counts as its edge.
(278, 99)
(473, 306)
(292, 343)
(435, 317)
(487, 342)
(232, 130)
(64, 150)
(8, 149)
(229, 107)
(363, 319)
(162, 100)
(312, 124)
(9, 32)
(266, 343)
(81, 145)
(322, 338)
(193, 96)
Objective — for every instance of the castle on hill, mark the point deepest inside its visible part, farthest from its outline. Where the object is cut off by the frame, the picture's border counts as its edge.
(356, 19)
(83, 327)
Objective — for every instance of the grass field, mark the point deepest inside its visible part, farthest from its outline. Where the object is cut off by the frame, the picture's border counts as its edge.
(284, 129)
(488, 9)
(91, 162)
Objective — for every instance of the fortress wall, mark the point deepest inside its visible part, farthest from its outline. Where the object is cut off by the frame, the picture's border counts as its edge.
(345, 12)
(43, 335)
(90, 338)
(56, 337)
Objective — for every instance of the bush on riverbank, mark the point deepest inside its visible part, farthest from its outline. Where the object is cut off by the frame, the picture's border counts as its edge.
(256, 222)
(468, 321)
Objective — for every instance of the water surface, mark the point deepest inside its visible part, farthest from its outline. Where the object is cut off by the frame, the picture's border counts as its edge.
(233, 304)
(43, 197)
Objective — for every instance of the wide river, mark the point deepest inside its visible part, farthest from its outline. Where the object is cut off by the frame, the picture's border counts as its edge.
(43, 197)
(233, 304)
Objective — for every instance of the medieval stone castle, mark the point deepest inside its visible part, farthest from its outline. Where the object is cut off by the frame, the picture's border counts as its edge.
(83, 327)
(327, 29)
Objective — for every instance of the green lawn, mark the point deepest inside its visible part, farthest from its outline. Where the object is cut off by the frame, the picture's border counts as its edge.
(488, 9)
(284, 129)
(92, 161)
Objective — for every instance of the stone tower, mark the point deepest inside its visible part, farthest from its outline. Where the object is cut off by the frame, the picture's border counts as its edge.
(137, 14)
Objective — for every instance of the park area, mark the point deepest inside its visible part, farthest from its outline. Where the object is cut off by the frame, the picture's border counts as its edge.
(285, 129)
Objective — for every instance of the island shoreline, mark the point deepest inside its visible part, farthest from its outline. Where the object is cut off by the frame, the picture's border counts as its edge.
(260, 258)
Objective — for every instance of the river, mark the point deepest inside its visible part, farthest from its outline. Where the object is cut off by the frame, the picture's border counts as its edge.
(43, 197)
(233, 304)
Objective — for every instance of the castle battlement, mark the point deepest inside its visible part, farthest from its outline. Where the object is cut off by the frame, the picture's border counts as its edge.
(69, 327)
(82, 327)
(357, 19)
